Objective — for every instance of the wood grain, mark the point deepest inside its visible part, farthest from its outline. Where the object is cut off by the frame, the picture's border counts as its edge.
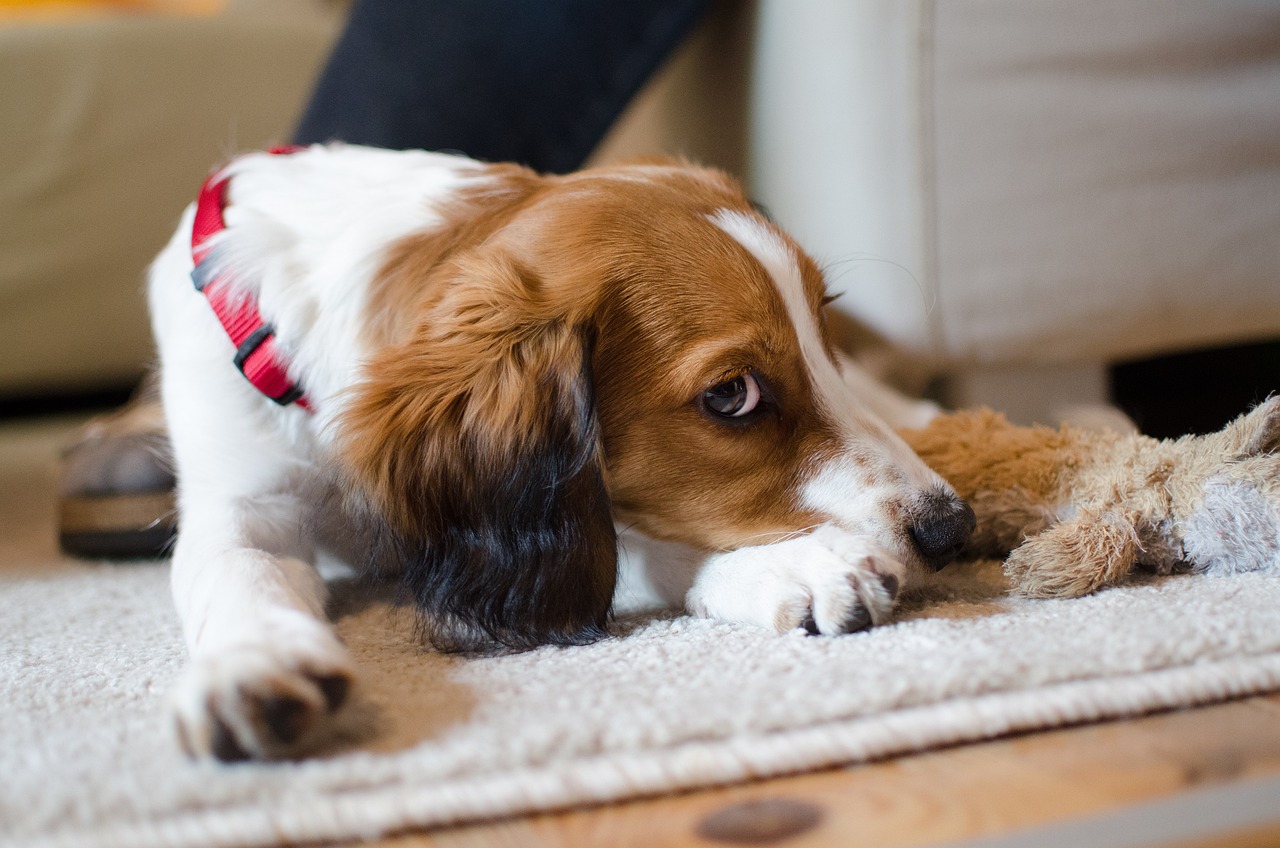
(938, 797)
(1258, 837)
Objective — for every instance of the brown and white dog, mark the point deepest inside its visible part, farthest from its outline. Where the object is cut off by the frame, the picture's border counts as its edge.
(497, 367)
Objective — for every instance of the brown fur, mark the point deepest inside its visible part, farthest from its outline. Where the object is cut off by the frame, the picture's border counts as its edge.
(1077, 510)
(474, 214)
(475, 317)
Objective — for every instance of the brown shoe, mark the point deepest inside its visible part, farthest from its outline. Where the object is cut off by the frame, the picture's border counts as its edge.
(116, 487)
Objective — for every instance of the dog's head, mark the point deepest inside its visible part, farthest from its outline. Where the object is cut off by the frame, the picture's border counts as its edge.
(634, 343)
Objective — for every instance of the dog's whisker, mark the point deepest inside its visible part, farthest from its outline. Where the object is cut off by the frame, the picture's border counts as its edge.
(838, 268)
(780, 535)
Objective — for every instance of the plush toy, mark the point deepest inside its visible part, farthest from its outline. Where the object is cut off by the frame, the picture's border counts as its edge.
(1076, 510)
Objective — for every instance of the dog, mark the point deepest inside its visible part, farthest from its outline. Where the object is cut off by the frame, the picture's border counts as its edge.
(467, 376)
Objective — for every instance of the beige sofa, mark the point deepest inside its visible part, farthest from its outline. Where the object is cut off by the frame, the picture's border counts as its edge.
(109, 121)
(1011, 194)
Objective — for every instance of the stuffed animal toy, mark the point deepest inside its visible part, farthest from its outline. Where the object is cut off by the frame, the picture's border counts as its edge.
(1077, 510)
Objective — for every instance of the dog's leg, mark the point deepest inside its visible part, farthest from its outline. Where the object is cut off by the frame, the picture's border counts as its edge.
(267, 671)
(828, 582)
(652, 573)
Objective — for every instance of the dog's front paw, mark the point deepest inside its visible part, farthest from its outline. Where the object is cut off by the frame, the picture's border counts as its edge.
(828, 582)
(263, 699)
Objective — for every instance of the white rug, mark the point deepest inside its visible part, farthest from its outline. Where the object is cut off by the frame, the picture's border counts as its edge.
(88, 652)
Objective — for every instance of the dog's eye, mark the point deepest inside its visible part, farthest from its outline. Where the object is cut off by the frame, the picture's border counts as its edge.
(733, 398)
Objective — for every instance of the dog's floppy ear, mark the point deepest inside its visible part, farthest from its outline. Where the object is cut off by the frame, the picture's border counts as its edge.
(477, 442)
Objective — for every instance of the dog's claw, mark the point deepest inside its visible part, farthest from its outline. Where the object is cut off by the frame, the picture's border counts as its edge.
(828, 582)
(287, 718)
(859, 619)
(335, 688)
(223, 744)
(260, 702)
(891, 585)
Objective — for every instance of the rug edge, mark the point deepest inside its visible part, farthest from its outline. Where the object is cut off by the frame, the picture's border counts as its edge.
(591, 781)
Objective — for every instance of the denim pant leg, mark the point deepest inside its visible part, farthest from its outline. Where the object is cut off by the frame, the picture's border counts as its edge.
(531, 81)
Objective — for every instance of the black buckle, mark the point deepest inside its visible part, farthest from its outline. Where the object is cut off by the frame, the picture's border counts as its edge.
(201, 277)
(289, 396)
(255, 340)
(249, 345)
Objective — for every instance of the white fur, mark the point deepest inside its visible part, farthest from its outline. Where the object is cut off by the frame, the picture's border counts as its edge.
(305, 233)
(850, 399)
(330, 214)
(765, 584)
(829, 575)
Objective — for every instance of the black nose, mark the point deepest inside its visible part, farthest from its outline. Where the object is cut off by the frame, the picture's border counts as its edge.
(941, 527)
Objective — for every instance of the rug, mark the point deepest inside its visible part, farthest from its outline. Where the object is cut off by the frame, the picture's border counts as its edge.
(88, 651)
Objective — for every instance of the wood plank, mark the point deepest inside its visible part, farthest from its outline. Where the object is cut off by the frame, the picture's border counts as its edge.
(1255, 837)
(961, 793)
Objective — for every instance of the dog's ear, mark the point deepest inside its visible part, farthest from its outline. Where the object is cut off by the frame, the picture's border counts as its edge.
(477, 442)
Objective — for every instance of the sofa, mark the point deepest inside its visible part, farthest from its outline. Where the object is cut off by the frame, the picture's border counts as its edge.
(1009, 195)
(110, 117)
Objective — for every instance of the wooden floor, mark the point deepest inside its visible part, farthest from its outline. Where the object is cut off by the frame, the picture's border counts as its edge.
(1116, 784)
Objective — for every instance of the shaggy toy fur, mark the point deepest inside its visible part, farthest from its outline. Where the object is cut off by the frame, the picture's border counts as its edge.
(1078, 510)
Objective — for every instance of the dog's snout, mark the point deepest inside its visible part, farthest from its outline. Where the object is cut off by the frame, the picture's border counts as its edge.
(941, 527)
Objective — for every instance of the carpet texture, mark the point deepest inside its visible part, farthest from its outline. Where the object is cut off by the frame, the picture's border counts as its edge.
(87, 653)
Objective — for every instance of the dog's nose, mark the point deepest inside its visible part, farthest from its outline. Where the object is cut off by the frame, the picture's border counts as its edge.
(942, 525)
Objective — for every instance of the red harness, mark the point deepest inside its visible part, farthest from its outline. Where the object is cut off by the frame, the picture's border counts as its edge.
(257, 356)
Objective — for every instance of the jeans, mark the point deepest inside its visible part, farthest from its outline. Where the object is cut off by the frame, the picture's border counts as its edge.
(532, 81)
